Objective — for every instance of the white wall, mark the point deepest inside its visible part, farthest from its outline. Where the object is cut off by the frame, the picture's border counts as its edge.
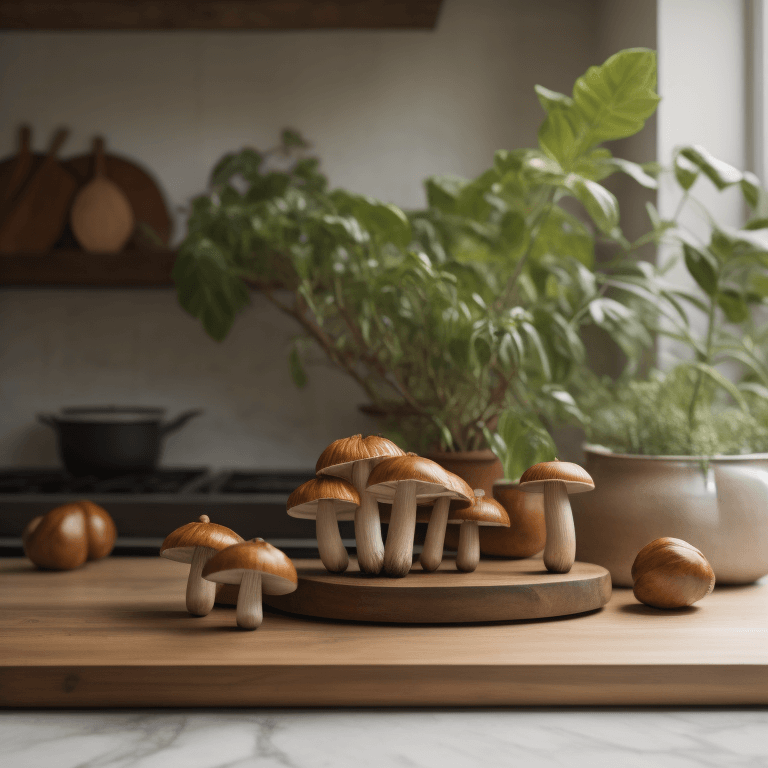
(384, 110)
(702, 82)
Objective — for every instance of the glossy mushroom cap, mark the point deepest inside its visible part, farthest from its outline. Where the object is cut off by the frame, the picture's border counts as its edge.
(69, 535)
(278, 575)
(576, 478)
(483, 511)
(180, 545)
(304, 500)
(433, 481)
(340, 456)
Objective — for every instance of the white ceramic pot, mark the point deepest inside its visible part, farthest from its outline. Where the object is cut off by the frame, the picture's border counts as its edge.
(722, 511)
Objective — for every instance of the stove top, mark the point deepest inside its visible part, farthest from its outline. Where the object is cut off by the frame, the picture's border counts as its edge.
(148, 506)
(170, 481)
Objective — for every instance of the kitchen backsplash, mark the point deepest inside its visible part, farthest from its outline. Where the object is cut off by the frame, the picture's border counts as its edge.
(384, 109)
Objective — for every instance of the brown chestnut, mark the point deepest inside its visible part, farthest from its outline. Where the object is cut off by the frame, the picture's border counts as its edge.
(69, 535)
(670, 573)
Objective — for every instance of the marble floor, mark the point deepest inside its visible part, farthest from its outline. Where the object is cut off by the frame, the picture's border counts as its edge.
(607, 738)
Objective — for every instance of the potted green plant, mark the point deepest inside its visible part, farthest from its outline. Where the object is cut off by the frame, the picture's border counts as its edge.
(685, 453)
(460, 322)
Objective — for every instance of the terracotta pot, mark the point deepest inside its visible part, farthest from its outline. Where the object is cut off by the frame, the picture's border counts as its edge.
(526, 534)
(479, 469)
(722, 511)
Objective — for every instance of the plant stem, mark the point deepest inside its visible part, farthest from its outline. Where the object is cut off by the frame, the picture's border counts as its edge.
(711, 316)
(538, 222)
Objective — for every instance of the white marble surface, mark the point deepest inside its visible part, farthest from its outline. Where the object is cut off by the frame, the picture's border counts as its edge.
(371, 738)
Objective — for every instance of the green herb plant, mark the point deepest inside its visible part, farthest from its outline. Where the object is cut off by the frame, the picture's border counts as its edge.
(696, 409)
(461, 322)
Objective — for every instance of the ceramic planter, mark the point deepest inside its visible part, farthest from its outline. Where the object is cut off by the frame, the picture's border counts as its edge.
(723, 511)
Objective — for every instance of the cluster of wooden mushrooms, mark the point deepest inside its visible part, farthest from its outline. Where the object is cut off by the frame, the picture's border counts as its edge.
(355, 473)
(218, 556)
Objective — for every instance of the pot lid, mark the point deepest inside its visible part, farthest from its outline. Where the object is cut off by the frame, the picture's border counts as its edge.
(111, 414)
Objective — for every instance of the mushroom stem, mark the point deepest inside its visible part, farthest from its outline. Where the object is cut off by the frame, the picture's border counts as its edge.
(398, 551)
(201, 593)
(468, 555)
(370, 546)
(332, 552)
(432, 554)
(560, 548)
(249, 615)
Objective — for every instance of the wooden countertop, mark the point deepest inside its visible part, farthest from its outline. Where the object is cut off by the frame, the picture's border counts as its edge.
(115, 633)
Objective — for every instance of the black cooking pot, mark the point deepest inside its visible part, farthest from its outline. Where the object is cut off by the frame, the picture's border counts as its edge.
(111, 441)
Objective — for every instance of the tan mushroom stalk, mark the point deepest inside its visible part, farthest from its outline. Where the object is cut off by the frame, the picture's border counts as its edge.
(459, 495)
(482, 511)
(352, 459)
(259, 568)
(405, 481)
(326, 500)
(196, 543)
(556, 480)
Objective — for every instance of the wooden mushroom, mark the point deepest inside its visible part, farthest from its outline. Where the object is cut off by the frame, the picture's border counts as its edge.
(405, 481)
(352, 459)
(459, 495)
(556, 480)
(259, 568)
(482, 511)
(69, 535)
(326, 500)
(196, 543)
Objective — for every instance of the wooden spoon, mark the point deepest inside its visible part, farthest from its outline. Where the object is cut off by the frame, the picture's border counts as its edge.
(102, 217)
(38, 212)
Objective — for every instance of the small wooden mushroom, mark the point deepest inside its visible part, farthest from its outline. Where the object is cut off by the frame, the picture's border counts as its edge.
(326, 500)
(352, 459)
(404, 481)
(557, 479)
(459, 495)
(482, 511)
(196, 543)
(69, 535)
(259, 568)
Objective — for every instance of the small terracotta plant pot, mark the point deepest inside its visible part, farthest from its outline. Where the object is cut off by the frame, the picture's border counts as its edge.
(478, 469)
(526, 534)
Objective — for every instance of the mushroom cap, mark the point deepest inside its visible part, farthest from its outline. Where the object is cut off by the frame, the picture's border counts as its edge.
(304, 500)
(432, 481)
(576, 478)
(341, 455)
(483, 511)
(180, 545)
(69, 535)
(278, 575)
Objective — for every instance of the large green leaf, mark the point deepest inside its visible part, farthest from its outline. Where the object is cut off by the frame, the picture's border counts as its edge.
(599, 203)
(522, 442)
(552, 99)
(721, 174)
(611, 101)
(617, 98)
(703, 268)
(207, 287)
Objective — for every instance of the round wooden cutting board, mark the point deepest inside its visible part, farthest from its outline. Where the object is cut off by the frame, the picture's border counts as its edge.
(499, 590)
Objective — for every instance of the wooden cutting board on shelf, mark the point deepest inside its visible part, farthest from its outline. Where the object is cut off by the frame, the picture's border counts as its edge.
(38, 212)
(14, 171)
(144, 195)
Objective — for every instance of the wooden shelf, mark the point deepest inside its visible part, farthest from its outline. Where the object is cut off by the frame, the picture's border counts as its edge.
(218, 14)
(132, 268)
